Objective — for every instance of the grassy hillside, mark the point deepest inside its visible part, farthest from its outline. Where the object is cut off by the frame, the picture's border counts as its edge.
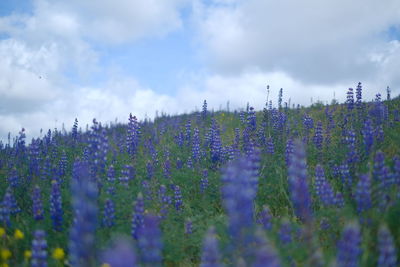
(292, 186)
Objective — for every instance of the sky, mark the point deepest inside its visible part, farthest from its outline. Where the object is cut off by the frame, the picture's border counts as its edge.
(67, 59)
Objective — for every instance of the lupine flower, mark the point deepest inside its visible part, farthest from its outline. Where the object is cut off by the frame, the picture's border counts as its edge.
(238, 194)
(270, 146)
(265, 254)
(350, 99)
(188, 227)
(379, 163)
(387, 248)
(5, 209)
(147, 194)
(318, 138)
(150, 169)
(109, 213)
(216, 145)
(196, 153)
(264, 218)
(324, 190)
(82, 232)
(210, 256)
(137, 217)
(288, 151)
(165, 201)
(56, 210)
(13, 178)
(280, 98)
(397, 170)
(347, 179)
(150, 242)
(188, 133)
(63, 164)
(359, 96)
(121, 254)
(285, 232)
(39, 249)
(298, 184)
(111, 180)
(167, 169)
(348, 247)
(74, 131)
(379, 134)
(13, 204)
(204, 181)
(363, 194)
(251, 120)
(178, 198)
(204, 111)
(352, 155)
(133, 135)
(368, 134)
(37, 207)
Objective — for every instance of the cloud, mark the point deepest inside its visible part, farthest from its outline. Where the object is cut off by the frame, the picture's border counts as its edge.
(51, 70)
(115, 21)
(317, 42)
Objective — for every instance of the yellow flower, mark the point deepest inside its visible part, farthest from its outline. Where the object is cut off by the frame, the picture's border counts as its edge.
(4, 265)
(5, 254)
(105, 265)
(27, 254)
(58, 254)
(2, 231)
(18, 234)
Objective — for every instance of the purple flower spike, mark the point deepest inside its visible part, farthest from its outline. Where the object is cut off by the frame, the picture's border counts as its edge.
(264, 218)
(121, 254)
(109, 213)
(265, 254)
(210, 256)
(387, 248)
(149, 242)
(349, 250)
(56, 210)
(39, 249)
(37, 207)
(137, 218)
(298, 184)
(363, 194)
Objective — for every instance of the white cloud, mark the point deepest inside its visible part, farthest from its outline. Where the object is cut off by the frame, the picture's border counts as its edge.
(312, 41)
(310, 49)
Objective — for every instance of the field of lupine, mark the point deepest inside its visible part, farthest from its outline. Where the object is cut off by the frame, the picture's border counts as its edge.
(286, 186)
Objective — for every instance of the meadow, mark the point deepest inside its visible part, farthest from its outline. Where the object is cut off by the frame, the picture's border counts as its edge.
(284, 186)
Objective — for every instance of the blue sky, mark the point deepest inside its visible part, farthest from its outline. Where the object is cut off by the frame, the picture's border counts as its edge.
(105, 59)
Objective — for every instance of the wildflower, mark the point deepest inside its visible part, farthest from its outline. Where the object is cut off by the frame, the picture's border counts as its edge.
(18, 234)
(27, 254)
(37, 207)
(82, 232)
(150, 242)
(265, 253)
(56, 210)
(387, 248)
(2, 232)
(210, 255)
(137, 217)
(298, 185)
(178, 198)
(349, 246)
(39, 247)
(5, 254)
(58, 254)
(120, 254)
